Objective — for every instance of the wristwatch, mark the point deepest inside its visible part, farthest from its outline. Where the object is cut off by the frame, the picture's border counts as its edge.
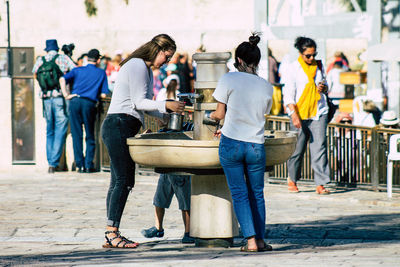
(290, 112)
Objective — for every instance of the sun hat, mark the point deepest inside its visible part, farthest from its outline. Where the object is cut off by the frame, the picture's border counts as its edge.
(389, 118)
(51, 44)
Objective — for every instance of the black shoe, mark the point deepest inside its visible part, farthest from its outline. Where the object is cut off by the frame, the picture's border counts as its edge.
(152, 232)
(59, 169)
(81, 169)
(90, 170)
(52, 169)
(187, 239)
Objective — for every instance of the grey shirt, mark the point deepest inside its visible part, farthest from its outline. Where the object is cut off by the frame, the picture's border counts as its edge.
(133, 92)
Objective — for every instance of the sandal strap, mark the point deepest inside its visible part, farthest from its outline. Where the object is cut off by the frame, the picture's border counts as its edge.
(109, 240)
(126, 239)
(120, 243)
(113, 232)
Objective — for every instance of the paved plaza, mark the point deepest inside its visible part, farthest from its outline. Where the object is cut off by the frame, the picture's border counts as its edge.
(59, 219)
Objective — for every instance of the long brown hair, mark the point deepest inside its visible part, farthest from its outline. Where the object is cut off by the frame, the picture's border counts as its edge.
(149, 51)
(171, 88)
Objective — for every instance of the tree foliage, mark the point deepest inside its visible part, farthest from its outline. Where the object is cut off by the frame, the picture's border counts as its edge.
(349, 5)
(91, 8)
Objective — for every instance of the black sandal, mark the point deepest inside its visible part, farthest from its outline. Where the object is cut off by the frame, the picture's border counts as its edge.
(126, 241)
(265, 248)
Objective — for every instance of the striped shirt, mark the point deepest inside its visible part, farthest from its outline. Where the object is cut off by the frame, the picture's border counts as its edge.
(63, 61)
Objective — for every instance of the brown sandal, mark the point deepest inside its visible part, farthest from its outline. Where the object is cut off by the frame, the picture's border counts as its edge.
(322, 190)
(126, 241)
(292, 186)
(246, 249)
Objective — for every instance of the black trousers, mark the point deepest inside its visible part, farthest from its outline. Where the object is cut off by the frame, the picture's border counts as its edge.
(116, 128)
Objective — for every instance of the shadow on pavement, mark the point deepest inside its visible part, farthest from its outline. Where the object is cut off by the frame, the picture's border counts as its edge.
(348, 229)
(352, 231)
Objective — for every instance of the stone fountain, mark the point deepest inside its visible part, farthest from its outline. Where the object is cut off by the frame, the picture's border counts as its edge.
(212, 219)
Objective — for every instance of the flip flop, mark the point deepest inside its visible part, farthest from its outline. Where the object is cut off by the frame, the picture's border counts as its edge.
(322, 190)
(292, 186)
(246, 249)
(265, 248)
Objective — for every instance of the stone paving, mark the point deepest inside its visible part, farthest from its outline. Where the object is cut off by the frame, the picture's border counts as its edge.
(58, 220)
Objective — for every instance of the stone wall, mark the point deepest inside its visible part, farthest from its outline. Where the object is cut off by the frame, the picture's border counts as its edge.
(223, 23)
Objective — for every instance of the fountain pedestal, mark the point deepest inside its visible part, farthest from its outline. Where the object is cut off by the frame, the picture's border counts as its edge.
(211, 215)
(212, 219)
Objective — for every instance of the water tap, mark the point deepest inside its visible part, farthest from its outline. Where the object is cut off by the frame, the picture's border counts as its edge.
(188, 96)
(207, 118)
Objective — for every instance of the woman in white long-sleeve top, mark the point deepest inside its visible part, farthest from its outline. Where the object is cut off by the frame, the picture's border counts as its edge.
(306, 103)
(131, 99)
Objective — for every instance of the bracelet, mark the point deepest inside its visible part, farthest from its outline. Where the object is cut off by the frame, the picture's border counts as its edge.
(290, 112)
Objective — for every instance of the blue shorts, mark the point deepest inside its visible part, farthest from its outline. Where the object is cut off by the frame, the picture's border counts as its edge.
(168, 185)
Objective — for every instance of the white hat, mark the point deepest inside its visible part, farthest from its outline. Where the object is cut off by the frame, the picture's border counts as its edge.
(389, 118)
(169, 78)
(118, 52)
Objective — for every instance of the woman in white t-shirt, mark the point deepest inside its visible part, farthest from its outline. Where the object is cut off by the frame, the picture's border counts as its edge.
(243, 99)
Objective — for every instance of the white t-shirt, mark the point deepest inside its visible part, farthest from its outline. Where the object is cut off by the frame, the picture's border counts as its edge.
(248, 98)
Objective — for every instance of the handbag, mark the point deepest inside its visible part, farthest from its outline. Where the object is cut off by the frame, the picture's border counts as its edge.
(331, 107)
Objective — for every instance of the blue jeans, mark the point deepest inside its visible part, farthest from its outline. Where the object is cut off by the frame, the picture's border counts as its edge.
(244, 165)
(82, 111)
(56, 130)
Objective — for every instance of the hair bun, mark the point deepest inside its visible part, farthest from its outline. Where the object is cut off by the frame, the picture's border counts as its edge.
(254, 39)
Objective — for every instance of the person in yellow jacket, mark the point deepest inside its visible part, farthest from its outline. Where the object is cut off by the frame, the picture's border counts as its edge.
(306, 104)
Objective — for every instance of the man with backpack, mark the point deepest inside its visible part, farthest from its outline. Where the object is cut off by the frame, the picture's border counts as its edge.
(47, 70)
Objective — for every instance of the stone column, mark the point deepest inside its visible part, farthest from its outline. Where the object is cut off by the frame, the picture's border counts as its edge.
(212, 220)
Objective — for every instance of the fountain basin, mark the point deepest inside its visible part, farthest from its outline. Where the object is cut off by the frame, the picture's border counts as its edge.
(180, 151)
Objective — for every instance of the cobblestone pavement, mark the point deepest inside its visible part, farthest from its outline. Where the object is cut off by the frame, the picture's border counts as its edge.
(58, 220)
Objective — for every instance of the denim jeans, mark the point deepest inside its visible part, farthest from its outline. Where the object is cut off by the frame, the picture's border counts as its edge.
(56, 129)
(115, 130)
(244, 165)
(82, 111)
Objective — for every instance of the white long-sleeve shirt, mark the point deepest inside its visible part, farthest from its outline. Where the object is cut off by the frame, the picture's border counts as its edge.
(133, 92)
(295, 82)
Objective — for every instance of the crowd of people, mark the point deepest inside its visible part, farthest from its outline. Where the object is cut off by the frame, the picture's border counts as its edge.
(148, 80)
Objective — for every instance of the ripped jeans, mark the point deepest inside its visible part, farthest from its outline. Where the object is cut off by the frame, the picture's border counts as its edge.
(116, 128)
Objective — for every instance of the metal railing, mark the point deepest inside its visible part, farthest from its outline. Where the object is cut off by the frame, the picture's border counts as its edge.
(357, 155)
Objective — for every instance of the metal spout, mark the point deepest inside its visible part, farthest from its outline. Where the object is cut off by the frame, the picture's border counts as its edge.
(190, 96)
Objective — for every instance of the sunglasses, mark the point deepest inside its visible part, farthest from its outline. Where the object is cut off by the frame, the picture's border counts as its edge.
(167, 58)
(311, 55)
